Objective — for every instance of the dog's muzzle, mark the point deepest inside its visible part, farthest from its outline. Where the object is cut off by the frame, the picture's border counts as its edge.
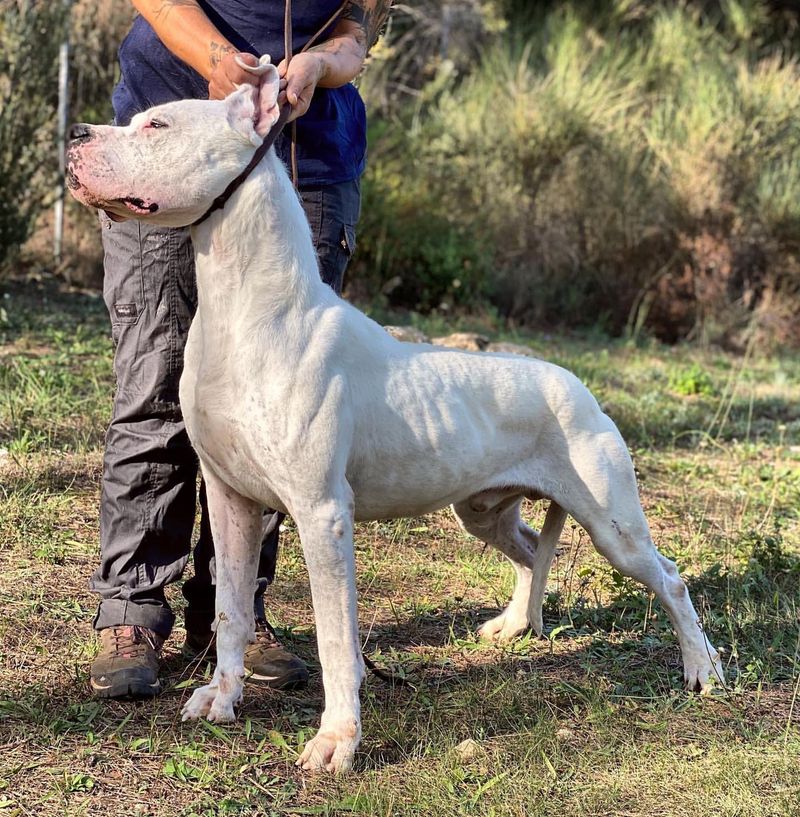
(80, 132)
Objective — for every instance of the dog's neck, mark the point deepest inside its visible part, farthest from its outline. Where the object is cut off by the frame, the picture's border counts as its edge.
(255, 257)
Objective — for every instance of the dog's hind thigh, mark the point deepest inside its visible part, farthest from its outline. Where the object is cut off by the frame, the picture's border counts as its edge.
(494, 517)
(236, 524)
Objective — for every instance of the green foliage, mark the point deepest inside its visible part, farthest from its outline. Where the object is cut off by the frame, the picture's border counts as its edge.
(633, 164)
(771, 564)
(56, 393)
(421, 259)
(97, 27)
(30, 34)
(694, 380)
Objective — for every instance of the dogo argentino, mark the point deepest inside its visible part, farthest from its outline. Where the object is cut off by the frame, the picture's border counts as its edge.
(295, 400)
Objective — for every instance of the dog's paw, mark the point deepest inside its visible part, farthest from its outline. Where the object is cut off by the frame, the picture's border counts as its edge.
(211, 702)
(221, 711)
(331, 749)
(704, 673)
(199, 705)
(504, 627)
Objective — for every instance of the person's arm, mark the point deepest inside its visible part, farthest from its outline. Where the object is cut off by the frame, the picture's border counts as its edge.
(337, 60)
(187, 32)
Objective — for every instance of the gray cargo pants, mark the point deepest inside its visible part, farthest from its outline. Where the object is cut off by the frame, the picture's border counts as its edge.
(149, 496)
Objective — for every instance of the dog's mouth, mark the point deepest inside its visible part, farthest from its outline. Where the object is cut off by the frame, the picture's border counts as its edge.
(135, 205)
(138, 206)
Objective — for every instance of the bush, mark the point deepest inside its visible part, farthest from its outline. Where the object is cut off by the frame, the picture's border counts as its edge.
(97, 30)
(419, 258)
(637, 166)
(30, 34)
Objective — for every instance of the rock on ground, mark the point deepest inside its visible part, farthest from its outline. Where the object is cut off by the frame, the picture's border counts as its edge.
(469, 341)
(510, 348)
(408, 334)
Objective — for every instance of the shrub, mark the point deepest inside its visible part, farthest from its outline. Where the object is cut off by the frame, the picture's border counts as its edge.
(97, 29)
(635, 165)
(30, 34)
(691, 381)
(420, 258)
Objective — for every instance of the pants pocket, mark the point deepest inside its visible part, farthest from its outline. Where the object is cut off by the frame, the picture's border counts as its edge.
(123, 281)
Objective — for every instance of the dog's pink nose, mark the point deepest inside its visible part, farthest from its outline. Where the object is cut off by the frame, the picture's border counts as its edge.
(80, 132)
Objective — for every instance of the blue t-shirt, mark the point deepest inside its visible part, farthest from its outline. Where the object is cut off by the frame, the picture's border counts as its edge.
(331, 135)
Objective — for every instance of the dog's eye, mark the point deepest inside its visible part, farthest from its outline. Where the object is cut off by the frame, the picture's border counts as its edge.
(154, 123)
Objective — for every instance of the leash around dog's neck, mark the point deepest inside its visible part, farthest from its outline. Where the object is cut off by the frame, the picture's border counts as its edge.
(269, 140)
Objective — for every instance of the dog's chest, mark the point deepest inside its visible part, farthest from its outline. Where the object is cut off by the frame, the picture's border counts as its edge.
(223, 441)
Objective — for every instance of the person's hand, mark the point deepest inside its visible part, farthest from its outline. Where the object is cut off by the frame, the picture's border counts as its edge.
(299, 82)
(226, 74)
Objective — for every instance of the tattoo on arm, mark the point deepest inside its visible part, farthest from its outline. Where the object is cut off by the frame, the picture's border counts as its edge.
(217, 51)
(328, 47)
(167, 5)
(354, 10)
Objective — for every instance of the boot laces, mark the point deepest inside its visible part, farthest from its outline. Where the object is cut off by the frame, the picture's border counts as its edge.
(265, 634)
(130, 641)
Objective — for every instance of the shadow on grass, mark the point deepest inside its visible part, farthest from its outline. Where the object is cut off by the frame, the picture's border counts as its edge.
(625, 644)
(615, 662)
(56, 476)
(44, 306)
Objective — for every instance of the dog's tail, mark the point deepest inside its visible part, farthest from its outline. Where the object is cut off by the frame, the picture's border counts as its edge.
(542, 560)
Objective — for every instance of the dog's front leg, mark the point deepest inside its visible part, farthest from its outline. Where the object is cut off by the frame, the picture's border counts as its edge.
(326, 532)
(236, 525)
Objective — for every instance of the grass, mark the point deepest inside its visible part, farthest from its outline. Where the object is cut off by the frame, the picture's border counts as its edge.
(589, 721)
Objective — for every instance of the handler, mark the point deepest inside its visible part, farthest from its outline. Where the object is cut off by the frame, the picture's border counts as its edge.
(180, 49)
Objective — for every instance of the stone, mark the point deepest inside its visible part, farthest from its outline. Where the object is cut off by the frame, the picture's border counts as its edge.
(468, 341)
(407, 334)
(510, 348)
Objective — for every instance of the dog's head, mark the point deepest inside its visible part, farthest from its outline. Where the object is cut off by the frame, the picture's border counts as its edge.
(170, 163)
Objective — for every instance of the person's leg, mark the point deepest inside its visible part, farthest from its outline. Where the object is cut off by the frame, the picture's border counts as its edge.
(333, 211)
(149, 468)
(199, 589)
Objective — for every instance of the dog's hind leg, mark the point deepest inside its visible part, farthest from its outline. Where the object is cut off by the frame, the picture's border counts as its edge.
(542, 560)
(494, 517)
(607, 504)
(236, 524)
(632, 552)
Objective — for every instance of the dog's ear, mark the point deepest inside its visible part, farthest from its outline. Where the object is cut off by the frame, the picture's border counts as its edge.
(253, 111)
(267, 111)
(242, 112)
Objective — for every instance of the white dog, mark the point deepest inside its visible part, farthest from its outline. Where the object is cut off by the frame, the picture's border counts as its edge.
(295, 400)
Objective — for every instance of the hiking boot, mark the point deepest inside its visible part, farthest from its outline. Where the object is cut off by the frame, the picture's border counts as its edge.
(266, 661)
(199, 646)
(269, 663)
(127, 664)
